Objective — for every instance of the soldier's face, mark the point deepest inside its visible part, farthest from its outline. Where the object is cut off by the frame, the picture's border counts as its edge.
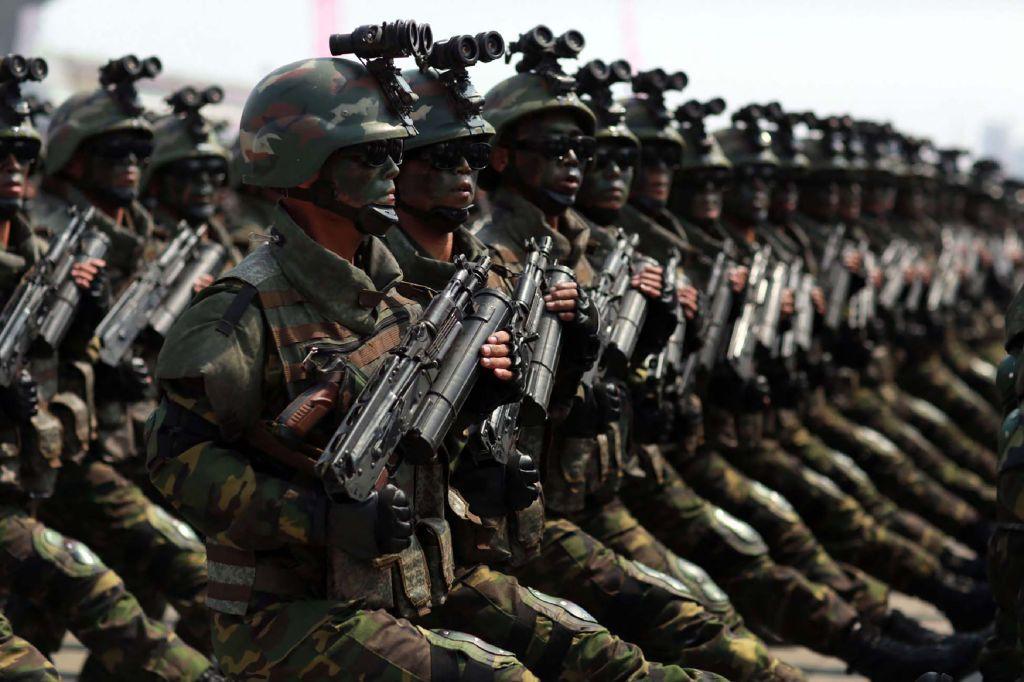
(113, 163)
(438, 177)
(820, 197)
(608, 178)
(13, 176)
(658, 164)
(749, 198)
(703, 202)
(559, 175)
(785, 197)
(849, 201)
(912, 201)
(356, 183)
(879, 198)
(188, 187)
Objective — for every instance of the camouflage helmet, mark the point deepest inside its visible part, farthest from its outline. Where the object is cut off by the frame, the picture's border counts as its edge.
(824, 148)
(16, 110)
(920, 159)
(435, 114)
(651, 123)
(881, 149)
(525, 94)
(1006, 381)
(987, 179)
(113, 107)
(301, 113)
(185, 134)
(701, 150)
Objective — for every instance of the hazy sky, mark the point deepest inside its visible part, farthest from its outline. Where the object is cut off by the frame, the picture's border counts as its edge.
(943, 68)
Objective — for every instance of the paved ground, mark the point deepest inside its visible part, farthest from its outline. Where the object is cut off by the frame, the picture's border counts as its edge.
(818, 668)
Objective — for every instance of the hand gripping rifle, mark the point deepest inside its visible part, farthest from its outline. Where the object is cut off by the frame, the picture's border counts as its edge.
(720, 295)
(743, 342)
(353, 464)
(45, 300)
(159, 293)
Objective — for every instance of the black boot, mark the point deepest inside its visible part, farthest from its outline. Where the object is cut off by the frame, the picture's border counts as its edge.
(900, 626)
(966, 603)
(880, 658)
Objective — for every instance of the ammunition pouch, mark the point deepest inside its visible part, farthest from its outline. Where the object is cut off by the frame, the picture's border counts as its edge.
(42, 444)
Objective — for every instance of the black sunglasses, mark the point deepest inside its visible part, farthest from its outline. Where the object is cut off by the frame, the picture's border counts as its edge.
(449, 155)
(758, 171)
(195, 166)
(375, 154)
(122, 146)
(623, 157)
(558, 147)
(667, 155)
(23, 151)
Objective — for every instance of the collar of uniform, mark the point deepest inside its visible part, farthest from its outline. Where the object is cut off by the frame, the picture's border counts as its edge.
(419, 267)
(141, 220)
(652, 230)
(523, 221)
(327, 281)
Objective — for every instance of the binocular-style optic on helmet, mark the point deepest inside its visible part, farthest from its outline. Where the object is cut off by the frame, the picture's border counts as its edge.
(694, 111)
(541, 51)
(389, 40)
(16, 68)
(129, 69)
(188, 99)
(656, 81)
(596, 75)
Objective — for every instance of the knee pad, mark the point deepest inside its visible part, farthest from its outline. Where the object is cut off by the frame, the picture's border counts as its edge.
(174, 530)
(740, 536)
(461, 657)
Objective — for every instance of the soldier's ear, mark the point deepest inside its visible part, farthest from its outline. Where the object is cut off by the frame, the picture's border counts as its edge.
(499, 158)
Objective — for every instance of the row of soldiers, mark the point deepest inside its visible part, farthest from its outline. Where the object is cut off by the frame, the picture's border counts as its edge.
(537, 384)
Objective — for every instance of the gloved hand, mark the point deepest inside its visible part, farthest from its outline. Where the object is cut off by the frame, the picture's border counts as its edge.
(491, 489)
(21, 399)
(382, 524)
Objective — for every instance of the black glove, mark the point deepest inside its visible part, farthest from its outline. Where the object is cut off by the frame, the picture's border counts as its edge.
(136, 380)
(382, 524)
(492, 489)
(20, 400)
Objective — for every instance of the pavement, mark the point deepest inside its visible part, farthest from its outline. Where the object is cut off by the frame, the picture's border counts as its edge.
(817, 667)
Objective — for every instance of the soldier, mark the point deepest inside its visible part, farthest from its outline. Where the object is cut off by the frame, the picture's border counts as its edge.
(247, 210)
(434, 191)
(189, 168)
(96, 145)
(19, 660)
(47, 572)
(541, 145)
(305, 586)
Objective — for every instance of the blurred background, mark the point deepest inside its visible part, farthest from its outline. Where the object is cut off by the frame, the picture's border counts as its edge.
(945, 69)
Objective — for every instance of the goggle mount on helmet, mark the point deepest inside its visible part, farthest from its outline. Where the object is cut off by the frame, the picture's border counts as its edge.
(118, 77)
(691, 116)
(653, 85)
(453, 57)
(541, 51)
(595, 80)
(187, 103)
(15, 70)
(751, 120)
(785, 126)
(377, 46)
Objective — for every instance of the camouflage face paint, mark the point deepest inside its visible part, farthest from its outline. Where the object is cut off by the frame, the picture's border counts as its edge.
(606, 185)
(191, 195)
(424, 187)
(356, 184)
(557, 179)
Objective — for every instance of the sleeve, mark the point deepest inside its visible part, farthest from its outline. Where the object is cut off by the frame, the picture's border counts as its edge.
(212, 384)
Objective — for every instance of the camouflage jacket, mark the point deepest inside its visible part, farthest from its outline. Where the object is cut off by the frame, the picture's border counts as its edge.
(230, 365)
(419, 268)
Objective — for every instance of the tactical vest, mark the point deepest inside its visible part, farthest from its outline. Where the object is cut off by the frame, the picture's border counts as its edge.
(407, 583)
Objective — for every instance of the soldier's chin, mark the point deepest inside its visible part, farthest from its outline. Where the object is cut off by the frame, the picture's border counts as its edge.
(9, 206)
(120, 196)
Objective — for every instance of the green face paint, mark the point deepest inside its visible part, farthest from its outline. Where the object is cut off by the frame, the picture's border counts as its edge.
(607, 181)
(424, 187)
(356, 184)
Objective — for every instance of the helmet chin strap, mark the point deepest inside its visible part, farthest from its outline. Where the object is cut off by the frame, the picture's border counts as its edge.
(372, 219)
(439, 218)
(550, 203)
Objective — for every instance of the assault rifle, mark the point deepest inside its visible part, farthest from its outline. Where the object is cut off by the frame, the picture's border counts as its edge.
(771, 312)
(863, 302)
(496, 436)
(668, 363)
(720, 295)
(353, 464)
(613, 283)
(743, 342)
(837, 276)
(798, 336)
(44, 303)
(158, 294)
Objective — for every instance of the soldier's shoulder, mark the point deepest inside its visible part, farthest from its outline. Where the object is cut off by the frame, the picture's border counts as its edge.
(49, 212)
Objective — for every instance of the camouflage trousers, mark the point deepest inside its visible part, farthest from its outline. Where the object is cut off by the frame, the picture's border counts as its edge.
(896, 476)
(732, 552)
(20, 661)
(942, 431)
(63, 580)
(664, 612)
(159, 556)
(868, 408)
(790, 541)
(549, 638)
(979, 374)
(929, 378)
(854, 481)
(842, 525)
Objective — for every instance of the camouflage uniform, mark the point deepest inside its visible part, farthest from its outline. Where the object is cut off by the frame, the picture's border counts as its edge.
(20, 661)
(664, 613)
(159, 557)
